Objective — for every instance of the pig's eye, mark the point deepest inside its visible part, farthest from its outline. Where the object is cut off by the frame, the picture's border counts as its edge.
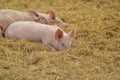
(63, 44)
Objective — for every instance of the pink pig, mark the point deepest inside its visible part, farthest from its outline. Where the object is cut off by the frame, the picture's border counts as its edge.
(8, 16)
(51, 36)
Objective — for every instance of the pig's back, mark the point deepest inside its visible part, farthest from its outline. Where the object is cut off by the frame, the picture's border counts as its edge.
(29, 30)
(15, 15)
(8, 16)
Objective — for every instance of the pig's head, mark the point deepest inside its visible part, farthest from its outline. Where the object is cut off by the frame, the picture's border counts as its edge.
(47, 19)
(63, 40)
(37, 17)
(55, 20)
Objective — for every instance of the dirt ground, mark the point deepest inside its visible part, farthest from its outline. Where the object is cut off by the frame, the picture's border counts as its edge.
(95, 51)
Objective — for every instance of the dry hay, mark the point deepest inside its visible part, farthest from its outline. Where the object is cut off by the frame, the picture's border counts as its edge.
(95, 52)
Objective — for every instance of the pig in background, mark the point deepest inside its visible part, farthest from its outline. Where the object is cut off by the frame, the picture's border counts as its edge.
(50, 35)
(8, 16)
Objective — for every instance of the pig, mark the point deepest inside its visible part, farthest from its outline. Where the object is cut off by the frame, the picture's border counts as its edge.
(50, 35)
(8, 16)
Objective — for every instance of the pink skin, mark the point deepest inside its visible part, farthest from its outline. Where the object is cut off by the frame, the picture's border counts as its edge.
(52, 19)
(8, 16)
(51, 36)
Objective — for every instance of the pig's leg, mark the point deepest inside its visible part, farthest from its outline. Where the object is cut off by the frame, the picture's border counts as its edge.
(49, 46)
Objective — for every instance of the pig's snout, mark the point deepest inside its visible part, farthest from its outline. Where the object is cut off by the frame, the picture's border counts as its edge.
(65, 24)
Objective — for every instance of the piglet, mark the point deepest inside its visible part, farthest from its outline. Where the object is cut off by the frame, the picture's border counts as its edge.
(8, 16)
(50, 35)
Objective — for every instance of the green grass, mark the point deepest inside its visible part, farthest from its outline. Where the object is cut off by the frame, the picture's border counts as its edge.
(95, 52)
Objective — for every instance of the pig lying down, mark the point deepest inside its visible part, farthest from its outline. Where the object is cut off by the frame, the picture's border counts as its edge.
(8, 16)
(51, 36)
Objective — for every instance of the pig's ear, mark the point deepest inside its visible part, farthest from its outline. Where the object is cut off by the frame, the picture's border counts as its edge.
(52, 15)
(34, 15)
(72, 33)
(58, 34)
